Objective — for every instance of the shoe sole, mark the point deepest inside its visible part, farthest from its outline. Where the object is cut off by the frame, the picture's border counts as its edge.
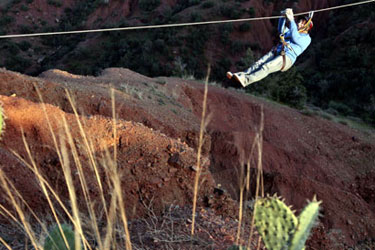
(229, 75)
(238, 80)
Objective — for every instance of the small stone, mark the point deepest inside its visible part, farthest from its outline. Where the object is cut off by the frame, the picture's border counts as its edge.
(175, 161)
(193, 168)
(155, 181)
(173, 170)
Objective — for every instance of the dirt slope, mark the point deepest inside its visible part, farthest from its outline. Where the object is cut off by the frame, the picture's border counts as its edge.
(302, 155)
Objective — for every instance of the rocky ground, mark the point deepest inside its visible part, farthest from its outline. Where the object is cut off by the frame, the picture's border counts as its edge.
(158, 121)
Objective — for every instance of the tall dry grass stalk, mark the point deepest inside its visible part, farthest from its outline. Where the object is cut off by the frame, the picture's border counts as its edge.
(21, 214)
(83, 182)
(116, 178)
(89, 151)
(259, 179)
(244, 181)
(200, 144)
(240, 209)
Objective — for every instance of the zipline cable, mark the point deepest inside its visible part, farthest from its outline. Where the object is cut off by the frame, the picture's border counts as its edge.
(175, 25)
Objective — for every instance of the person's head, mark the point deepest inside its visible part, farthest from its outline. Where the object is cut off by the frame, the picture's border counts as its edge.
(305, 24)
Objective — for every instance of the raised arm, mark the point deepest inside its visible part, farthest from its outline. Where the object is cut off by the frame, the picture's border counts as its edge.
(281, 25)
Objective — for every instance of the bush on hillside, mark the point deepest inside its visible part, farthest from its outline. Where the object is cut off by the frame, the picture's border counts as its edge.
(148, 5)
(246, 61)
(24, 45)
(285, 87)
(244, 27)
(6, 20)
(230, 11)
(17, 63)
(290, 89)
(56, 3)
(208, 4)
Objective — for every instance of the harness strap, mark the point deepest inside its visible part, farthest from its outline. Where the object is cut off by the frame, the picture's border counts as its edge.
(284, 60)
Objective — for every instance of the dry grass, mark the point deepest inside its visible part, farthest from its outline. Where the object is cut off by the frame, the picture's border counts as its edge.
(85, 221)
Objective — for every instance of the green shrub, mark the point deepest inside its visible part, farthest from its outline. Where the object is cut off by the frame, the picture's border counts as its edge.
(195, 17)
(24, 45)
(5, 20)
(237, 47)
(25, 29)
(17, 63)
(208, 4)
(290, 89)
(148, 5)
(194, 2)
(251, 11)
(56, 3)
(342, 108)
(244, 27)
(230, 11)
(24, 8)
(12, 48)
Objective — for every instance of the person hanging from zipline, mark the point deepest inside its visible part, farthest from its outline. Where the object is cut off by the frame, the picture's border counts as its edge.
(293, 41)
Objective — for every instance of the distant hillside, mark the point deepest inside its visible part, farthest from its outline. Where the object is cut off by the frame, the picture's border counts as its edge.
(334, 74)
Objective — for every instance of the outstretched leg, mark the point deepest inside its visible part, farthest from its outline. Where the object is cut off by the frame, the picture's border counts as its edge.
(267, 57)
(267, 68)
(264, 59)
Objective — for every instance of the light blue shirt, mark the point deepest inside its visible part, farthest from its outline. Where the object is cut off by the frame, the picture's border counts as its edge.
(296, 40)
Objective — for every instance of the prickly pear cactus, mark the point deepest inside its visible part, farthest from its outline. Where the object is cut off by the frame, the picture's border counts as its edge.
(306, 221)
(55, 240)
(280, 228)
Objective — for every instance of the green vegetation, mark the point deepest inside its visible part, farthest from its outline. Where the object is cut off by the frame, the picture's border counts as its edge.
(56, 3)
(60, 239)
(148, 5)
(24, 8)
(208, 4)
(340, 76)
(6, 20)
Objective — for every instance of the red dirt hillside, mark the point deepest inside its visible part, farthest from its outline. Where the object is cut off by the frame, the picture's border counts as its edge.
(157, 137)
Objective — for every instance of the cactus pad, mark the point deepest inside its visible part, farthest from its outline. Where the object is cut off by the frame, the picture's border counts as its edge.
(55, 240)
(306, 221)
(275, 222)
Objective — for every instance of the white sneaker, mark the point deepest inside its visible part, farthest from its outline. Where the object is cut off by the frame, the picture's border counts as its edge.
(229, 75)
(240, 78)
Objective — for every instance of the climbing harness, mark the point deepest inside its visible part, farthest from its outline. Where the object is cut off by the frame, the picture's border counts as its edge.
(284, 44)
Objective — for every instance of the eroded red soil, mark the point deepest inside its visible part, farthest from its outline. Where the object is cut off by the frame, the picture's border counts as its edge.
(158, 126)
